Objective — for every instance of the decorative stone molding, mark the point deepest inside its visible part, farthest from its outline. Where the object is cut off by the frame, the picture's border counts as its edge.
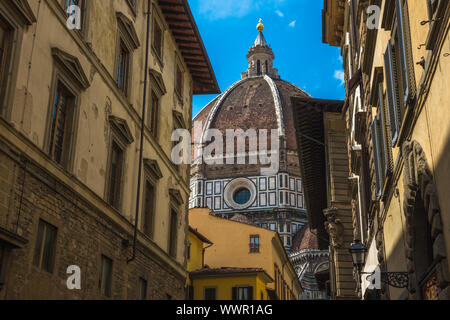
(334, 227)
(418, 180)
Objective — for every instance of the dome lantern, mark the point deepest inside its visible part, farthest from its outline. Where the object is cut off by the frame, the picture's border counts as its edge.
(260, 57)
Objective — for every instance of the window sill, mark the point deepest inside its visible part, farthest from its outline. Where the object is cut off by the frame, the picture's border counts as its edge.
(158, 58)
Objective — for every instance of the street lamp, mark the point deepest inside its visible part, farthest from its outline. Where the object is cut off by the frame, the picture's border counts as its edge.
(394, 279)
(358, 252)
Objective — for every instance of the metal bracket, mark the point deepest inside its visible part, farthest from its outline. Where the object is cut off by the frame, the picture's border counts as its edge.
(393, 279)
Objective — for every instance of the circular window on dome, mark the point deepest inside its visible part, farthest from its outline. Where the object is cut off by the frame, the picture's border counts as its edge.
(242, 196)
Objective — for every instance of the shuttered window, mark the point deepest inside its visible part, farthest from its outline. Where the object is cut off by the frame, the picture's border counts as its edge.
(122, 67)
(404, 46)
(392, 92)
(377, 157)
(384, 124)
(173, 234)
(5, 40)
(115, 175)
(432, 6)
(60, 125)
(149, 198)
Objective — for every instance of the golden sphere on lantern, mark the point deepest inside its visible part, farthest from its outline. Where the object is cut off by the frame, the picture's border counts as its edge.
(260, 26)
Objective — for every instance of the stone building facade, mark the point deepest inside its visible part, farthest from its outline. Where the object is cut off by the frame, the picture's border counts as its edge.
(260, 100)
(71, 107)
(321, 137)
(398, 140)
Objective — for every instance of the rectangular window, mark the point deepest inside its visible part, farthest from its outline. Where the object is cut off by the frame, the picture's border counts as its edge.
(210, 294)
(377, 158)
(157, 39)
(179, 81)
(404, 47)
(60, 124)
(105, 277)
(254, 244)
(115, 175)
(288, 227)
(153, 114)
(148, 208)
(173, 234)
(281, 227)
(392, 92)
(273, 227)
(5, 42)
(242, 293)
(387, 152)
(122, 67)
(288, 239)
(44, 252)
(142, 289)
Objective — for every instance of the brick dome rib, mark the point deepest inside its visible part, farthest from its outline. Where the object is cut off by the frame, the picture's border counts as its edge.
(251, 104)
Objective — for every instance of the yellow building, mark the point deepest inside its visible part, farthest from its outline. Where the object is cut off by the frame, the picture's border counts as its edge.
(245, 251)
(230, 284)
(196, 248)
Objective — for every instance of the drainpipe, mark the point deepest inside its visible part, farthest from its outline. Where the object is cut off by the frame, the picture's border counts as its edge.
(144, 104)
(203, 254)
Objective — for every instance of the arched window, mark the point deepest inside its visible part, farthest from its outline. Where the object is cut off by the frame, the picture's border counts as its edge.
(423, 253)
(267, 67)
(258, 70)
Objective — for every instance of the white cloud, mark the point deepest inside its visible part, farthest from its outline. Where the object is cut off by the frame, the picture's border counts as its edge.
(279, 13)
(339, 75)
(292, 24)
(219, 9)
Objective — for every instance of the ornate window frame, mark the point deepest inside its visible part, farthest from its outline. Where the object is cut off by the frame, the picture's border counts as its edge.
(152, 174)
(68, 72)
(127, 35)
(120, 134)
(157, 19)
(19, 16)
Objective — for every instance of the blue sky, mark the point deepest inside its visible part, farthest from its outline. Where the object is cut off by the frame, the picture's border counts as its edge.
(292, 27)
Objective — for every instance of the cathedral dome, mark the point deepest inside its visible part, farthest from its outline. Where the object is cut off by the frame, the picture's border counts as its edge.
(254, 103)
(260, 100)
(242, 190)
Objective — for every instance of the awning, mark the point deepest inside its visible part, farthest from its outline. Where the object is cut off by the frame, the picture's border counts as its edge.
(179, 17)
(309, 127)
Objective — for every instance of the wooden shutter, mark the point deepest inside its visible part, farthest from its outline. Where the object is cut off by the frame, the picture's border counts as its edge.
(432, 6)
(387, 152)
(392, 92)
(406, 63)
(378, 167)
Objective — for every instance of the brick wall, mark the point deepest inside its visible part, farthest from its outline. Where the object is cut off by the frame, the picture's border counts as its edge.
(29, 193)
